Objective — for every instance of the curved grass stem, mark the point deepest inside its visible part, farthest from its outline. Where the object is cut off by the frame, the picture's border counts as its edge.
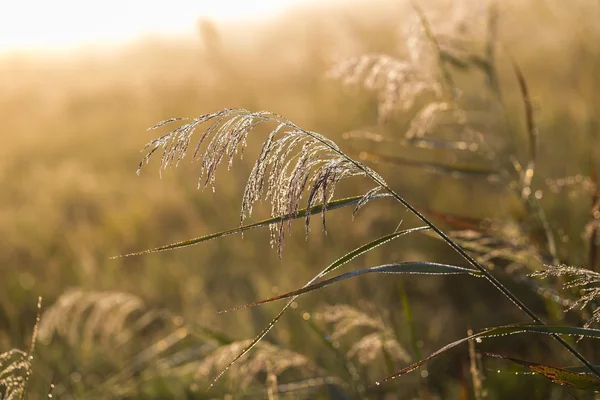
(491, 278)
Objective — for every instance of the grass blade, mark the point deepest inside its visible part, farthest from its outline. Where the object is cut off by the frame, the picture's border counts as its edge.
(502, 331)
(414, 267)
(593, 246)
(332, 205)
(455, 171)
(532, 131)
(457, 221)
(557, 375)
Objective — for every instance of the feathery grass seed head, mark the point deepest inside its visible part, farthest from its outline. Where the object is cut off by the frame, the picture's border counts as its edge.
(292, 161)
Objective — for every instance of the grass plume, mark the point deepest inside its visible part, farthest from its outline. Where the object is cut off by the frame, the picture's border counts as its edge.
(292, 163)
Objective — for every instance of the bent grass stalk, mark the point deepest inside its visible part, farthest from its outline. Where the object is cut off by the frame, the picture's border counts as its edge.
(333, 166)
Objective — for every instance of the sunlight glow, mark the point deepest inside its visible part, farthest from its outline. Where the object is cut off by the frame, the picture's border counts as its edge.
(42, 24)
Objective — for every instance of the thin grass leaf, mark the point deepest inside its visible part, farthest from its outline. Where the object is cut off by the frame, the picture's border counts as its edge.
(371, 135)
(336, 264)
(532, 131)
(581, 370)
(455, 171)
(595, 214)
(413, 267)
(448, 82)
(557, 375)
(409, 322)
(501, 331)
(427, 143)
(475, 370)
(458, 221)
(332, 205)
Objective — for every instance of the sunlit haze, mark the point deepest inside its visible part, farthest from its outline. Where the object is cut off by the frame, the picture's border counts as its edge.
(60, 24)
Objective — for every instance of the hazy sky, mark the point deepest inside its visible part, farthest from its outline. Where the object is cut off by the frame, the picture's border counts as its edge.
(35, 24)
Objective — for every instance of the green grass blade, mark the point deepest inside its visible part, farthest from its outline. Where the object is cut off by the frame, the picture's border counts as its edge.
(455, 171)
(428, 143)
(414, 267)
(332, 205)
(581, 370)
(502, 331)
(592, 241)
(557, 375)
(457, 221)
(528, 104)
(409, 322)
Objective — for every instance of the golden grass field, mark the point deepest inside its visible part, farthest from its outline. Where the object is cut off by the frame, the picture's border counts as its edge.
(73, 125)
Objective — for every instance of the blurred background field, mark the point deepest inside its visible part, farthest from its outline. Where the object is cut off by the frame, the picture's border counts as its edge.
(72, 127)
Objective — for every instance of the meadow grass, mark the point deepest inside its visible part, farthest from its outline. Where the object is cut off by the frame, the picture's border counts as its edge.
(462, 114)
